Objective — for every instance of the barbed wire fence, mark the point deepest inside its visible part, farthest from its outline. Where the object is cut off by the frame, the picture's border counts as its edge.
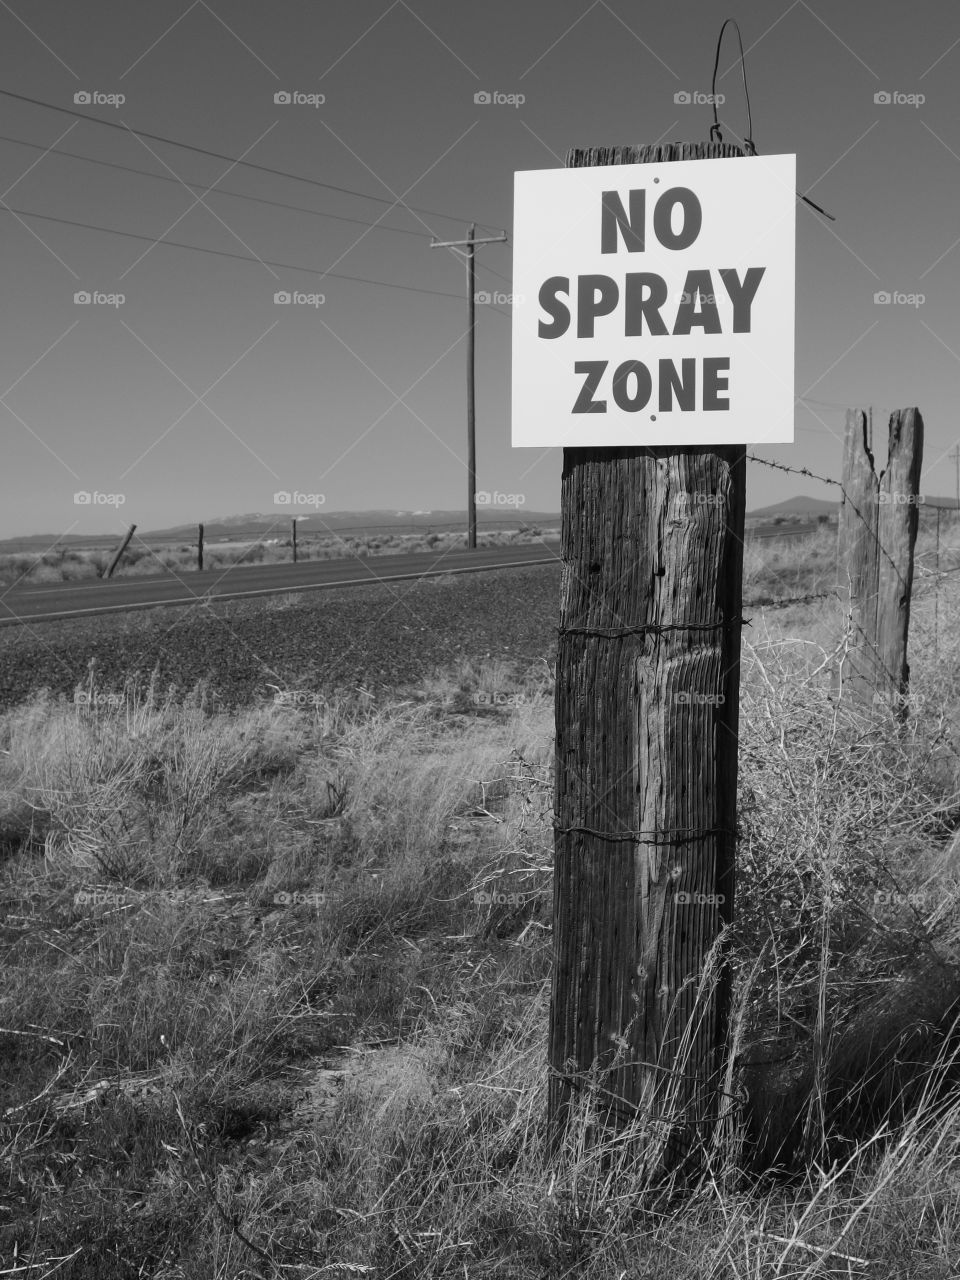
(930, 574)
(936, 515)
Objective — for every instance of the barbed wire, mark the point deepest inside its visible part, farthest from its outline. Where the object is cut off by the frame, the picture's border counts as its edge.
(781, 603)
(797, 471)
(805, 471)
(812, 475)
(921, 587)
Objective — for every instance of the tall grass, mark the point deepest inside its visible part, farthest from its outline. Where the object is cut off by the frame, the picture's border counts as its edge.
(277, 987)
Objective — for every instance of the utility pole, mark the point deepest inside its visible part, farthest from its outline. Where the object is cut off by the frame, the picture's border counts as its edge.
(471, 400)
(469, 249)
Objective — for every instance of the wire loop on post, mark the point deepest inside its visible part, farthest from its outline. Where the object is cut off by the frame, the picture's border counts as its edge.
(715, 127)
(716, 134)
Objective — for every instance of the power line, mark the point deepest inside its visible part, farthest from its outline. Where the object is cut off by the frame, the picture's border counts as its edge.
(498, 274)
(219, 191)
(233, 160)
(240, 195)
(223, 253)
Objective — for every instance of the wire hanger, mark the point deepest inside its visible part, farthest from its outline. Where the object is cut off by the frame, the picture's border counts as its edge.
(716, 134)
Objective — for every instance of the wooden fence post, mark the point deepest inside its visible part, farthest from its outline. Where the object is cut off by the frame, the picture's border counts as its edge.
(120, 550)
(936, 591)
(647, 714)
(294, 523)
(200, 550)
(879, 516)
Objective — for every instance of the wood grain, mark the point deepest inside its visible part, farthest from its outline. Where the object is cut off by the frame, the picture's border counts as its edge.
(650, 537)
(877, 535)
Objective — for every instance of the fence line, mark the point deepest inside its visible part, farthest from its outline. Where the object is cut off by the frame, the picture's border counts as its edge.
(803, 471)
(932, 578)
(797, 471)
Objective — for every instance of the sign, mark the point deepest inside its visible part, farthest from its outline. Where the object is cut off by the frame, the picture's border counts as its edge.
(654, 303)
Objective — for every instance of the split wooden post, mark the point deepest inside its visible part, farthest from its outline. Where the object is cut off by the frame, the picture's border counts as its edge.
(200, 550)
(647, 715)
(294, 524)
(120, 550)
(879, 517)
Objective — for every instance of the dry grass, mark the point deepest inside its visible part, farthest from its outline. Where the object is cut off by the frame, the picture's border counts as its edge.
(64, 565)
(774, 568)
(265, 888)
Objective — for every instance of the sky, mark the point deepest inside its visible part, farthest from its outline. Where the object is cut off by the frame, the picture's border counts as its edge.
(199, 396)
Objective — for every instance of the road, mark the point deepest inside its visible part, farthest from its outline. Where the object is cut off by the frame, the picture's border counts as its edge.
(49, 601)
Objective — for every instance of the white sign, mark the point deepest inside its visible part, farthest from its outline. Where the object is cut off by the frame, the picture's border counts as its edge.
(653, 303)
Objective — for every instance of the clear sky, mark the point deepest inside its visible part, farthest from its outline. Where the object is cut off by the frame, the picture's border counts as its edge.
(199, 396)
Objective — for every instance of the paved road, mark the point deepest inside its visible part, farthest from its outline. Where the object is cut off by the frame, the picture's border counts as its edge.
(43, 603)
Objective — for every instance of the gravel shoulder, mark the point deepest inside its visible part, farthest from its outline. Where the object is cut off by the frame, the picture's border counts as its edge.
(383, 636)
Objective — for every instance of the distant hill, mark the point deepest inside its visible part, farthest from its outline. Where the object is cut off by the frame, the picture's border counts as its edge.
(809, 508)
(276, 524)
(802, 505)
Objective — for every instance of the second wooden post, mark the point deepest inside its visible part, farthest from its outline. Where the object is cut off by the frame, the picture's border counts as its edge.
(877, 535)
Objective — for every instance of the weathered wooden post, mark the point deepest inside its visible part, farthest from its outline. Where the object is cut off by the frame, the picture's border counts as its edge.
(120, 550)
(936, 589)
(200, 550)
(647, 703)
(653, 338)
(294, 525)
(879, 517)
